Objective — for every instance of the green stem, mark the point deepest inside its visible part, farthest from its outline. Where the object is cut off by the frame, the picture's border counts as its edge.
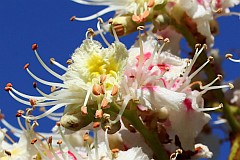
(150, 137)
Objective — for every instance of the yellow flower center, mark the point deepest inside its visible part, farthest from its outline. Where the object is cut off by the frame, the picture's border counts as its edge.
(97, 66)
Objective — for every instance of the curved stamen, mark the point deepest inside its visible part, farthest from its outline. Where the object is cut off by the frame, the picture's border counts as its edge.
(54, 108)
(45, 82)
(45, 66)
(100, 21)
(123, 107)
(99, 14)
(25, 95)
(229, 56)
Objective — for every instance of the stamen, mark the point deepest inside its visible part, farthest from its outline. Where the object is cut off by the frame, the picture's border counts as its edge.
(230, 86)
(196, 54)
(98, 14)
(25, 95)
(104, 103)
(51, 148)
(8, 137)
(114, 90)
(100, 21)
(59, 142)
(96, 143)
(107, 143)
(96, 90)
(67, 143)
(43, 81)
(229, 56)
(72, 18)
(219, 77)
(53, 61)
(210, 59)
(54, 108)
(44, 65)
(210, 109)
(99, 113)
(124, 105)
(90, 33)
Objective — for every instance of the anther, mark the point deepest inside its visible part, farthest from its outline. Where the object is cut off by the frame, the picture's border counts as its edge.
(102, 89)
(19, 114)
(228, 56)
(140, 28)
(8, 87)
(197, 45)
(107, 126)
(26, 66)
(2, 116)
(220, 77)
(205, 46)
(34, 47)
(100, 20)
(110, 21)
(49, 141)
(210, 59)
(91, 32)
(33, 102)
(114, 90)
(104, 103)
(99, 113)
(34, 140)
(86, 137)
(103, 78)
(8, 153)
(69, 61)
(219, 10)
(166, 40)
(96, 90)
(72, 18)
(150, 3)
(106, 116)
(84, 110)
(34, 84)
(58, 124)
(96, 124)
(52, 60)
(59, 142)
(53, 88)
(115, 152)
(160, 38)
(231, 86)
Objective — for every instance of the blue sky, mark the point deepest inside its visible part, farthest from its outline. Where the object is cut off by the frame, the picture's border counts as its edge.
(46, 23)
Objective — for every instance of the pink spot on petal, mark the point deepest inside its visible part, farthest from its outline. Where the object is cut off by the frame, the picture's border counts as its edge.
(146, 56)
(188, 104)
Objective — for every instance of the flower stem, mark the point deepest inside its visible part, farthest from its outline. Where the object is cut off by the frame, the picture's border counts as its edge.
(150, 137)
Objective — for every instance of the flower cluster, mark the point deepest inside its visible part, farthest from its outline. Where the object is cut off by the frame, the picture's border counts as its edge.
(141, 103)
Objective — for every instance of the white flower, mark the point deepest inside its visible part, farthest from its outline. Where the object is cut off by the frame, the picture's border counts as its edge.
(93, 76)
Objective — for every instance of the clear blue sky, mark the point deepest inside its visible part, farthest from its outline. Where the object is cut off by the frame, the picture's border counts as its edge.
(46, 22)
